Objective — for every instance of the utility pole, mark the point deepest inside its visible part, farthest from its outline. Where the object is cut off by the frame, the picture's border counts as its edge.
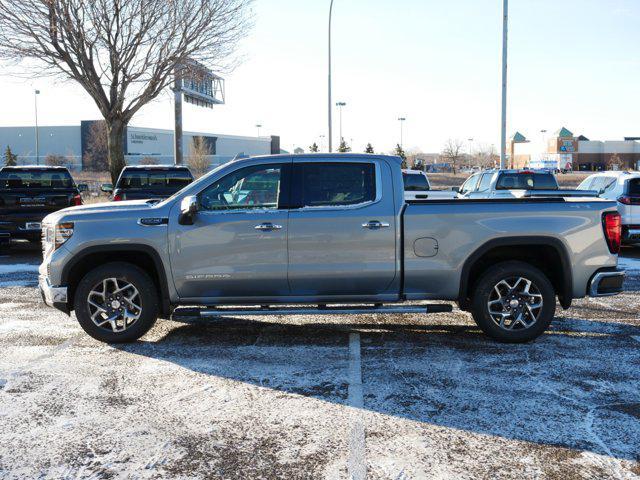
(177, 129)
(35, 97)
(329, 102)
(340, 105)
(503, 127)
(401, 120)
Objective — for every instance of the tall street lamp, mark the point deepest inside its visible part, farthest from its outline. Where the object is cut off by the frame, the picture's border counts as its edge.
(401, 120)
(503, 126)
(340, 105)
(258, 126)
(329, 99)
(35, 99)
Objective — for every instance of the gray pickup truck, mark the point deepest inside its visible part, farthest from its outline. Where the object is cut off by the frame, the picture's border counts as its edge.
(325, 234)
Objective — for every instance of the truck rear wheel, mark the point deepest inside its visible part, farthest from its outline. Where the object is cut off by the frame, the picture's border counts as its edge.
(513, 302)
(116, 302)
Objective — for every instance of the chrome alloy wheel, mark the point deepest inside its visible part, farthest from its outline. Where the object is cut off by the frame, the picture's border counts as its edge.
(114, 304)
(515, 303)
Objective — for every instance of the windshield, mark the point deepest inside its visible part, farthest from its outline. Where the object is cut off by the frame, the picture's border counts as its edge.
(11, 179)
(170, 179)
(527, 181)
(415, 182)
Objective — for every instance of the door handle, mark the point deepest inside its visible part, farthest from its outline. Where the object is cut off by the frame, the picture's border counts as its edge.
(267, 227)
(375, 224)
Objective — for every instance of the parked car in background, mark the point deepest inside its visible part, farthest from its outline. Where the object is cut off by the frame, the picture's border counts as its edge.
(624, 189)
(334, 235)
(150, 182)
(417, 187)
(27, 195)
(516, 184)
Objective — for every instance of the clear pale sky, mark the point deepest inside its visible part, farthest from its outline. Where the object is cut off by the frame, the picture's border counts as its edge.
(573, 63)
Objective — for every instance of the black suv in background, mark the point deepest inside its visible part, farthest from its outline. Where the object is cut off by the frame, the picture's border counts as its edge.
(30, 193)
(150, 182)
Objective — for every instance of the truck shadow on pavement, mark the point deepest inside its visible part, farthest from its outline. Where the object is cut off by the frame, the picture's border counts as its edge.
(576, 387)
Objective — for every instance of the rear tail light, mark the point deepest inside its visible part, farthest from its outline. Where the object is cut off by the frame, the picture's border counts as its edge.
(612, 225)
(628, 200)
(117, 197)
(77, 200)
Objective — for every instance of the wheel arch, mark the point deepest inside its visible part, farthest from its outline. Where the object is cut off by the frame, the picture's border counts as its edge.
(530, 249)
(143, 256)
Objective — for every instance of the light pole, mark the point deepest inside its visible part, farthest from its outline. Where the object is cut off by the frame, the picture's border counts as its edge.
(503, 127)
(258, 126)
(35, 98)
(340, 105)
(329, 102)
(470, 140)
(401, 120)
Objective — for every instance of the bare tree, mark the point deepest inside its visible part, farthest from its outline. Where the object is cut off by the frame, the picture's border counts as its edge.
(122, 52)
(96, 156)
(486, 156)
(452, 152)
(54, 160)
(198, 160)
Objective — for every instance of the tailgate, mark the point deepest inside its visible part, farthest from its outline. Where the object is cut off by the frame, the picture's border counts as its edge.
(32, 201)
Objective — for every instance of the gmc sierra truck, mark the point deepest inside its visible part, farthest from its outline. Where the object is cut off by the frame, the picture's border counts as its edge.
(27, 195)
(325, 234)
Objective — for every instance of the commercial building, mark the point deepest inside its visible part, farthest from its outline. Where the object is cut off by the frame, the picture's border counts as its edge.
(565, 151)
(152, 144)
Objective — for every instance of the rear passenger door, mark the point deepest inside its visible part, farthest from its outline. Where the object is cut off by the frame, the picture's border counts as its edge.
(342, 231)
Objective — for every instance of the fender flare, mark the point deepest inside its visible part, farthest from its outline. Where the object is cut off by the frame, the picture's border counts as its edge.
(565, 295)
(125, 248)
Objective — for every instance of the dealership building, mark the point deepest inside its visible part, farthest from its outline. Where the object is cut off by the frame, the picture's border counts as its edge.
(566, 151)
(72, 142)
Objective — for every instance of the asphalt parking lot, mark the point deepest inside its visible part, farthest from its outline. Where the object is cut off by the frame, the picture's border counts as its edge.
(396, 397)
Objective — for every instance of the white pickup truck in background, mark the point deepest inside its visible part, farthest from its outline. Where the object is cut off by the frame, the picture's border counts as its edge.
(418, 187)
(517, 184)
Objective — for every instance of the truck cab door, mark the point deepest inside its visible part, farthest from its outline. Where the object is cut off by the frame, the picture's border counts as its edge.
(342, 228)
(237, 245)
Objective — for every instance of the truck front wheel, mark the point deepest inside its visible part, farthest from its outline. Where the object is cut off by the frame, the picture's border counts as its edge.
(513, 302)
(116, 302)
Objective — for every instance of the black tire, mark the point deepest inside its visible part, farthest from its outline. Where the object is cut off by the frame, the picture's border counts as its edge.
(147, 299)
(533, 321)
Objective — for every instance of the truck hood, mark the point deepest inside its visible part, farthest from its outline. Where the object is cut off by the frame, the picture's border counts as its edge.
(113, 208)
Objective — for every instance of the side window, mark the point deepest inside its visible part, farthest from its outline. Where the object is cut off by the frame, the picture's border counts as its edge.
(257, 186)
(334, 184)
(470, 184)
(585, 184)
(485, 182)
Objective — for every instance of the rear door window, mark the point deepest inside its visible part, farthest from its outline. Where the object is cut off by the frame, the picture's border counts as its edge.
(527, 181)
(415, 182)
(485, 182)
(35, 178)
(333, 184)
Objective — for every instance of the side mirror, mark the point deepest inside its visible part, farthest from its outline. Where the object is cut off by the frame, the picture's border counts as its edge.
(455, 189)
(106, 187)
(188, 208)
(83, 187)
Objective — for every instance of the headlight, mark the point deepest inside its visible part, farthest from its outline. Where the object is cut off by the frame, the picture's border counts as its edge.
(53, 236)
(63, 232)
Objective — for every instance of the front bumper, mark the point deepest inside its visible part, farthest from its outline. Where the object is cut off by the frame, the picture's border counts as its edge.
(54, 296)
(606, 282)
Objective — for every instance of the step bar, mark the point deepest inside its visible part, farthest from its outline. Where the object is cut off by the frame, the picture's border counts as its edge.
(213, 312)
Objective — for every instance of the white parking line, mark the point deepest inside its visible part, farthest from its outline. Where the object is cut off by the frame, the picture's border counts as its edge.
(357, 467)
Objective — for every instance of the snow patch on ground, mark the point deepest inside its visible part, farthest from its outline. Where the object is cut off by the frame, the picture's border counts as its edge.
(18, 268)
(629, 263)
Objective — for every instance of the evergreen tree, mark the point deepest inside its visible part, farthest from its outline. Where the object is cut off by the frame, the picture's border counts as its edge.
(344, 148)
(10, 158)
(314, 148)
(369, 148)
(400, 153)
